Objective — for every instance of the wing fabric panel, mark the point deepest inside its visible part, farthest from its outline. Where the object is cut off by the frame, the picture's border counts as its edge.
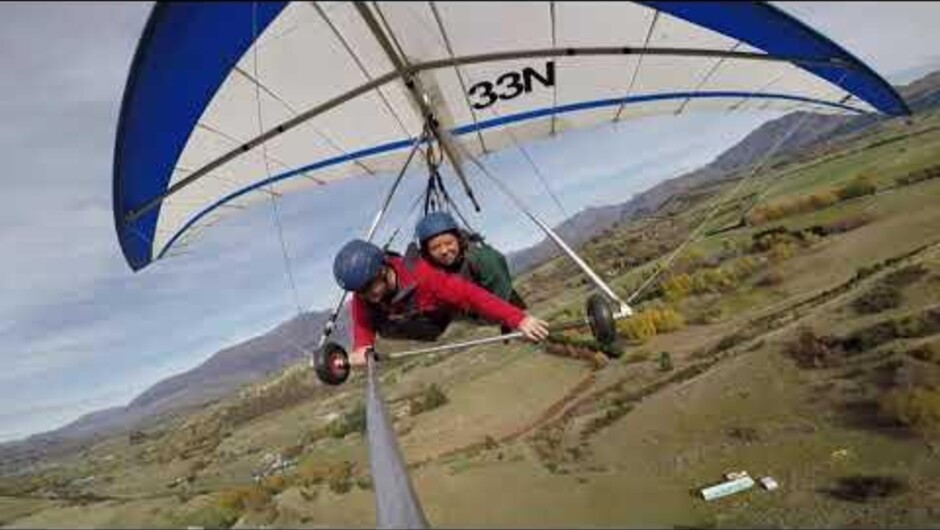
(311, 54)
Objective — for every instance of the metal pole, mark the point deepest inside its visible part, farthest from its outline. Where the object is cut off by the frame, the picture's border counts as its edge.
(396, 505)
(477, 342)
(624, 309)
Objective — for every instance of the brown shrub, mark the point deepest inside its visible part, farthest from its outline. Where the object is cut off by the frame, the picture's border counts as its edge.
(351, 421)
(431, 398)
(858, 187)
(771, 279)
(926, 352)
(744, 434)
(790, 206)
(908, 327)
(918, 408)
(338, 475)
(677, 287)
(244, 498)
(918, 176)
(292, 451)
(906, 276)
(847, 224)
(812, 351)
(879, 298)
(649, 322)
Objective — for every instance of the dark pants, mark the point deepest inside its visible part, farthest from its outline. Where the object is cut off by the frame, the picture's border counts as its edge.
(418, 327)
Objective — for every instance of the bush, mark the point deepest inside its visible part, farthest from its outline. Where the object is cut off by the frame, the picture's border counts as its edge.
(859, 187)
(766, 239)
(927, 353)
(364, 483)
(666, 319)
(781, 251)
(638, 327)
(810, 350)
(677, 287)
(909, 327)
(879, 298)
(649, 322)
(689, 260)
(846, 224)
(432, 398)
(917, 408)
(490, 443)
(743, 434)
(341, 480)
(906, 276)
(352, 421)
(239, 499)
(337, 475)
(790, 206)
(292, 451)
(918, 176)
(612, 414)
(771, 279)
(665, 361)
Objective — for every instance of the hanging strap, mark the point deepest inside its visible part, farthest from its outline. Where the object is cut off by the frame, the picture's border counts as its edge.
(437, 198)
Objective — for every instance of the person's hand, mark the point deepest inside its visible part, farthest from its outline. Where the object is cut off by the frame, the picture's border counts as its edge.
(358, 357)
(534, 329)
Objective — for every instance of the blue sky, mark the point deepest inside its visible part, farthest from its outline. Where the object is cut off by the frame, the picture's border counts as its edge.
(81, 331)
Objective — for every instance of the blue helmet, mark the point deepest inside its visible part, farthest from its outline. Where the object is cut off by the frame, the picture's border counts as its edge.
(357, 264)
(433, 224)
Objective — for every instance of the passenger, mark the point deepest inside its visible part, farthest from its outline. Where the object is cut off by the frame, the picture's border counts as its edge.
(447, 247)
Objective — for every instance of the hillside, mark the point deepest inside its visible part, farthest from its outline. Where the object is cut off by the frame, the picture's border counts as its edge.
(812, 130)
(220, 375)
(802, 346)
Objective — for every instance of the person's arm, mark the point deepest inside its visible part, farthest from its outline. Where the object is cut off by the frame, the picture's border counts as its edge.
(363, 334)
(465, 295)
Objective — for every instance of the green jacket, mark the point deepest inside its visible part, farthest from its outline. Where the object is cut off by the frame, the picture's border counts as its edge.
(487, 267)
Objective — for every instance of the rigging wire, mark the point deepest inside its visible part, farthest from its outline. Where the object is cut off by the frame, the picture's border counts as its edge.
(535, 168)
(721, 201)
(733, 191)
(285, 256)
(436, 186)
(411, 211)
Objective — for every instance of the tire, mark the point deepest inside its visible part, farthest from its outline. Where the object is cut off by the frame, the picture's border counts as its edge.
(601, 318)
(331, 364)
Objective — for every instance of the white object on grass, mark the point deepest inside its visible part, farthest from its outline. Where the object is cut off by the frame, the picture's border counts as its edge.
(769, 483)
(727, 488)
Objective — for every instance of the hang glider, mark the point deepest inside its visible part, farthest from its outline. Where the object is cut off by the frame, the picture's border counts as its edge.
(228, 102)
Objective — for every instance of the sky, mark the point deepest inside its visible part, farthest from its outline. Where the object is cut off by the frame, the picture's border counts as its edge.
(80, 332)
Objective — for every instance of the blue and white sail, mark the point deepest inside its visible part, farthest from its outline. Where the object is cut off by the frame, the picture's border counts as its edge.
(229, 102)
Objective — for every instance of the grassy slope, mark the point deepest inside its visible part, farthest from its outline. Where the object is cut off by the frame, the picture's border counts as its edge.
(639, 470)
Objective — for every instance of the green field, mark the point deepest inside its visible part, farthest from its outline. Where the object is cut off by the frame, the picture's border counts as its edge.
(532, 439)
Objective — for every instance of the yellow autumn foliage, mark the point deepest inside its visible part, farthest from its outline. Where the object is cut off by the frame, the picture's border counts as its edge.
(791, 206)
(649, 322)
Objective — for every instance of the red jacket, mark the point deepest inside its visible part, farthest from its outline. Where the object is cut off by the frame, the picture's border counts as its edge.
(434, 290)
